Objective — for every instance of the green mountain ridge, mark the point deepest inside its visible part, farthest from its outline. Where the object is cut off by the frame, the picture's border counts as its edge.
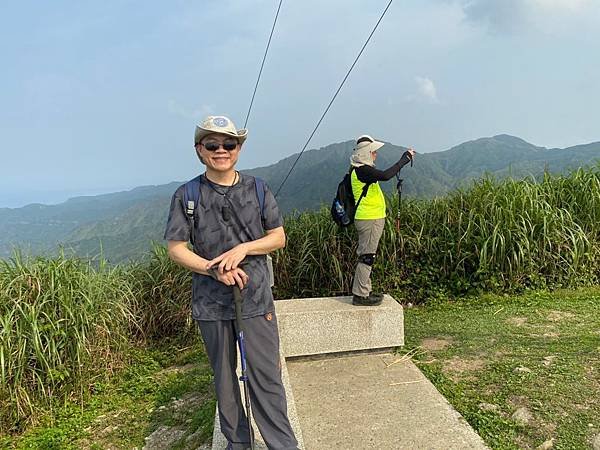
(121, 225)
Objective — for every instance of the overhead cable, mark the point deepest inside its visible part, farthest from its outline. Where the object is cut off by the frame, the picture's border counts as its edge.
(334, 96)
(262, 64)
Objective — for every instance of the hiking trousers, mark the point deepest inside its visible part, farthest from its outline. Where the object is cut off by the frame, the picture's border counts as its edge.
(369, 233)
(267, 394)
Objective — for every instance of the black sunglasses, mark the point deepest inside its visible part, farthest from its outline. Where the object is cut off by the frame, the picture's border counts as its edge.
(213, 146)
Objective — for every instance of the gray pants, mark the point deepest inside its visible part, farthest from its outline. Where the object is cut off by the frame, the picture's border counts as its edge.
(267, 394)
(369, 233)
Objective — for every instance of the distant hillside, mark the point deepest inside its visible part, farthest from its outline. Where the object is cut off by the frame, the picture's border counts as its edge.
(505, 155)
(122, 225)
(80, 223)
(315, 178)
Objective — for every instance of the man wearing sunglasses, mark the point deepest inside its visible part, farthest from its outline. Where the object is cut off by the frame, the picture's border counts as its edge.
(230, 226)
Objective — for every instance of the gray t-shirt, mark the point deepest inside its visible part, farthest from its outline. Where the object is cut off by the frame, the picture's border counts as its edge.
(217, 231)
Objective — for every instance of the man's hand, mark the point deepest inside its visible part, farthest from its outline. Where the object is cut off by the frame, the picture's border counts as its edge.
(230, 259)
(232, 277)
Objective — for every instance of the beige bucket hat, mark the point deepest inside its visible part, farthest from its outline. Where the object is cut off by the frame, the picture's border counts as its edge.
(361, 155)
(221, 125)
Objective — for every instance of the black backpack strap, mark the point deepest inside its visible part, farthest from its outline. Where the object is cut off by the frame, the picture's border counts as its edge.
(363, 194)
(365, 189)
(260, 186)
(191, 200)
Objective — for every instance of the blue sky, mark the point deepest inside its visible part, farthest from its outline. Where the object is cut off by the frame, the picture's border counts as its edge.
(103, 96)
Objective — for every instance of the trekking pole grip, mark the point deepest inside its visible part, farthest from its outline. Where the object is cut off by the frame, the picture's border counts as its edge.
(237, 300)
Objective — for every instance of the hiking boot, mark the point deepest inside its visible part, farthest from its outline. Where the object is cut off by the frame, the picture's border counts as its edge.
(374, 296)
(371, 300)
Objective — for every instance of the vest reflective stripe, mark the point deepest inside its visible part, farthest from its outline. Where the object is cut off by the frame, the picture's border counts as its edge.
(372, 206)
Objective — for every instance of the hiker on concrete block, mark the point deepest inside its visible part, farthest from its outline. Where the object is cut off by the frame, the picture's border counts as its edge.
(370, 214)
(230, 217)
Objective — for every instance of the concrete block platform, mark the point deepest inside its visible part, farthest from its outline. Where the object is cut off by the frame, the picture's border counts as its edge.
(315, 326)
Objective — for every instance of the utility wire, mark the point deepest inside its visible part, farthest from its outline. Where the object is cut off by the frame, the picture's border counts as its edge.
(263, 63)
(334, 96)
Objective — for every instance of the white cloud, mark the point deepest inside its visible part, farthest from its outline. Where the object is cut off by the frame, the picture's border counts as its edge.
(427, 89)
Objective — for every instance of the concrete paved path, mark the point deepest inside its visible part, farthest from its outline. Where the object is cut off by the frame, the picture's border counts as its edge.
(352, 402)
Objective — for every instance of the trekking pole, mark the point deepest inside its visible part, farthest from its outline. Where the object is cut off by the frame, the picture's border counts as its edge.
(398, 213)
(399, 189)
(237, 300)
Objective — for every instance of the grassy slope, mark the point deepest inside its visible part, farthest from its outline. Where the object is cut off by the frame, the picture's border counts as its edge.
(141, 399)
(472, 349)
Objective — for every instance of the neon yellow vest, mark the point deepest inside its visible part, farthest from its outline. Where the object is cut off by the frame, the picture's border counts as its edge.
(372, 206)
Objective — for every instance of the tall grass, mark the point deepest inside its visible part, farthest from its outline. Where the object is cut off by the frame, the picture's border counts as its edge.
(62, 326)
(66, 324)
(507, 235)
(163, 292)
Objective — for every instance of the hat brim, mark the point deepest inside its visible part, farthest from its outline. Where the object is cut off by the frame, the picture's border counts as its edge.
(376, 145)
(201, 133)
(371, 146)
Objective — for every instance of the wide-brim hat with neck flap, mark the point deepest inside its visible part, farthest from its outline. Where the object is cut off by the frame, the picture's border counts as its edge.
(221, 125)
(361, 155)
